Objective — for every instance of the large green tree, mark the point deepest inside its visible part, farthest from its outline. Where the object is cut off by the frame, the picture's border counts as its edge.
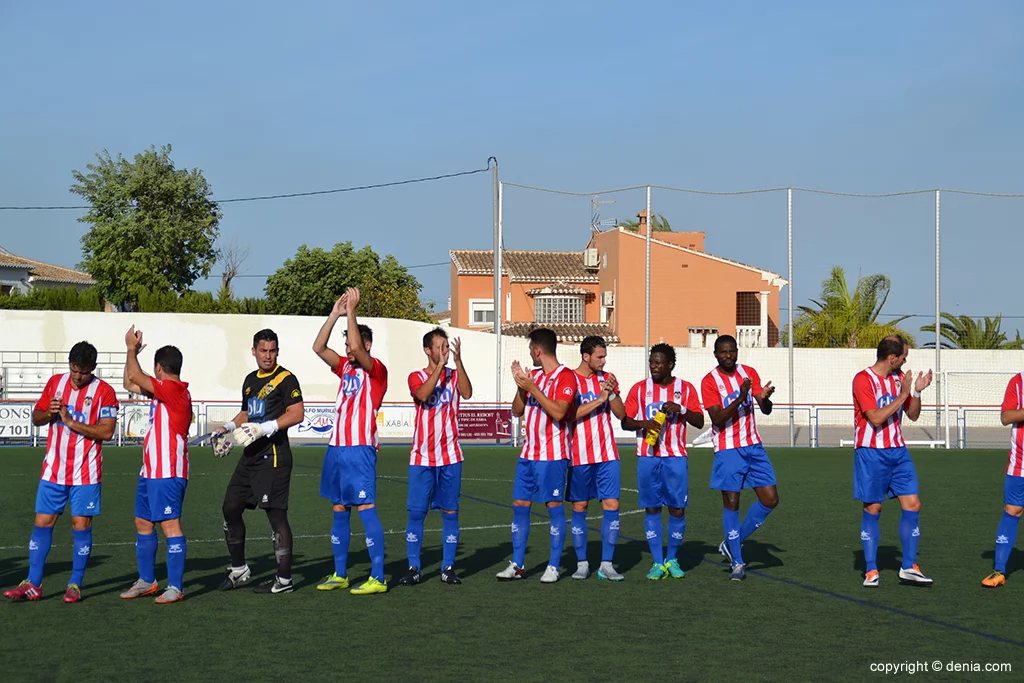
(311, 281)
(845, 318)
(965, 332)
(153, 226)
(659, 224)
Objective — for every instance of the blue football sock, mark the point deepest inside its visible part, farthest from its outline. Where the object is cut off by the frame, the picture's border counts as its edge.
(753, 520)
(557, 514)
(910, 534)
(1006, 537)
(579, 535)
(341, 535)
(869, 539)
(83, 548)
(176, 547)
(652, 526)
(609, 534)
(731, 526)
(676, 531)
(374, 541)
(450, 531)
(145, 553)
(38, 548)
(520, 533)
(414, 536)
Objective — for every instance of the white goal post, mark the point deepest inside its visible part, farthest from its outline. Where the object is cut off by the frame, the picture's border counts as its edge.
(971, 402)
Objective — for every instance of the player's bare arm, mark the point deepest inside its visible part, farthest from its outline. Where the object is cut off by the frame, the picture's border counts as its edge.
(519, 402)
(293, 415)
(359, 352)
(878, 416)
(41, 417)
(590, 406)
(465, 386)
(764, 398)
(719, 415)
(428, 386)
(1007, 417)
(135, 378)
(556, 409)
(631, 424)
(320, 348)
(240, 419)
(922, 382)
(101, 431)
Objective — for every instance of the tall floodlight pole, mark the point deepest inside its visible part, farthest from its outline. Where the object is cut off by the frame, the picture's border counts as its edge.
(939, 389)
(792, 386)
(497, 282)
(647, 285)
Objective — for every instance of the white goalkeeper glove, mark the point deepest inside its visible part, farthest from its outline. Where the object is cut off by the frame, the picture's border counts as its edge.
(222, 445)
(250, 431)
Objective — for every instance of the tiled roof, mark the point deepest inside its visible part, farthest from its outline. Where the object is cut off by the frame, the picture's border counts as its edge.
(526, 266)
(442, 315)
(566, 332)
(560, 288)
(45, 272)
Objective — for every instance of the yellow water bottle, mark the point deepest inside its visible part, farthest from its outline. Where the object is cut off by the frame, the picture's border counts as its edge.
(652, 435)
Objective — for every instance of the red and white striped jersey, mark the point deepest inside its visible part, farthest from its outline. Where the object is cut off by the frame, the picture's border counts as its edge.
(359, 397)
(645, 400)
(593, 440)
(73, 459)
(871, 392)
(547, 439)
(435, 436)
(165, 448)
(720, 389)
(1014, 400)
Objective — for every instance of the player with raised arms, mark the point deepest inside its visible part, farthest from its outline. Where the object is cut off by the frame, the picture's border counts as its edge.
(81, 411)
(729, 392)
(349, 475)
(544, 397)
(662, 468)
(435, 461)
(160, 493)
(882, 468)
(271, 403)
(595, 472)
(1012, 414)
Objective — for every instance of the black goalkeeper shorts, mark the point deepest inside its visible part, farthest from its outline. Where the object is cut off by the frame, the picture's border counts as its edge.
(259, 486)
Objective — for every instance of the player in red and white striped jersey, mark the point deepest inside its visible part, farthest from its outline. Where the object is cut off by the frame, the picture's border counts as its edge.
(349, 476)
(81, 411)
(662, 470)
(1013, 488)
(729, 392)
(543, 400)
(435, 461)
(882, 468)
(595, 457)
(160, 494)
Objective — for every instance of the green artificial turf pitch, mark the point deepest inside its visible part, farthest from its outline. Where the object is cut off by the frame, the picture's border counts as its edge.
(800, 615)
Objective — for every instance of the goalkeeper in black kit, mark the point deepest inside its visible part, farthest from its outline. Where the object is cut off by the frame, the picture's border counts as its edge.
(271, 403)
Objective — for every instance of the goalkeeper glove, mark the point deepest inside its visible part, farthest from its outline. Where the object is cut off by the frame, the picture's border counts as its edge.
(250, 431)
(222, 445)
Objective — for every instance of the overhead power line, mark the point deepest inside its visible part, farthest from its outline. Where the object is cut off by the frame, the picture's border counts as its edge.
(289, 195)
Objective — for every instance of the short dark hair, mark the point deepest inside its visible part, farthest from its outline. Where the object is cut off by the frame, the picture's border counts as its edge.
(365, 333)
(589, 344)
(83, 354)
(428, 338)
(890, 346)
(264, 335)
(726, 339)
(545, 338)
(670, 353)
(169, 358)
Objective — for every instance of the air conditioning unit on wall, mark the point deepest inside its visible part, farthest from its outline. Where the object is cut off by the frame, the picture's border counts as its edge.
(590, 258)
(607, 299)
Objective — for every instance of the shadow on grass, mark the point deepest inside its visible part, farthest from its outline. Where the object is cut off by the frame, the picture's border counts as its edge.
(1013, 563)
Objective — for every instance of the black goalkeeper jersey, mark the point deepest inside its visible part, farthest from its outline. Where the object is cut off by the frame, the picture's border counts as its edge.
(266, 397)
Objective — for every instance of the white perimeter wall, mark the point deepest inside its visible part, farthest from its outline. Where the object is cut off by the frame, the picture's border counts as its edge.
(217, 356)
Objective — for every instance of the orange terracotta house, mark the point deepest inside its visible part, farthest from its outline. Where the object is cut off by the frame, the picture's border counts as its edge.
(600, 290)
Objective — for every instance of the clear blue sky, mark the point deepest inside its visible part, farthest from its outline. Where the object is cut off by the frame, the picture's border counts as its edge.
(269, 98)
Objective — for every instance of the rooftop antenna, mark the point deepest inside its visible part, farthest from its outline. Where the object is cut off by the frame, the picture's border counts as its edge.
(596, 222)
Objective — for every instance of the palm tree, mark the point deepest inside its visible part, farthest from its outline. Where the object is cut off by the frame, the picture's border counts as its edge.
(659, 224)
(847, 319)
(965, 332)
